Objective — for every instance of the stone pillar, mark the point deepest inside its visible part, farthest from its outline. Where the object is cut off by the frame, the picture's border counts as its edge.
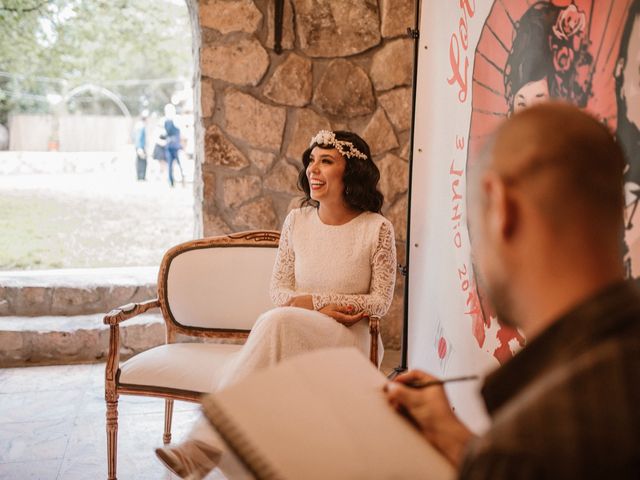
(345, 65)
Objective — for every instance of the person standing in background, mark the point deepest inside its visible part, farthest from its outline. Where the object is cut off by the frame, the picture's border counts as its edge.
(173, 145)
(140, 143)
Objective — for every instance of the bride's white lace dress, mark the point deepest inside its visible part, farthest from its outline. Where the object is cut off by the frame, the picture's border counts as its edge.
(350, 264)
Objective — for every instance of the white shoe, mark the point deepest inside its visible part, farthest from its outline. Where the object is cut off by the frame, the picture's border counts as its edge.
(192, 459)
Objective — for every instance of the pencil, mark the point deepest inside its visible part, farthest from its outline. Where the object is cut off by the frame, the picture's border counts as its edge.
(432, 383)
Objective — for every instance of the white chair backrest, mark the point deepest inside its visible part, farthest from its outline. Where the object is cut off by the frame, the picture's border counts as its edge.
(220, 287)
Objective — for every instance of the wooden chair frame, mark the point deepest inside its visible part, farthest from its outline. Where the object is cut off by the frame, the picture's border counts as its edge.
(114, 388)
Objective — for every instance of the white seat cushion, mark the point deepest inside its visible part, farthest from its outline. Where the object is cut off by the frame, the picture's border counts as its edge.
(195, 367)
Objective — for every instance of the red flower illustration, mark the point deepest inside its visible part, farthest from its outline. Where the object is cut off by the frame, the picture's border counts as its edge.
(570, 22)
(563, 59)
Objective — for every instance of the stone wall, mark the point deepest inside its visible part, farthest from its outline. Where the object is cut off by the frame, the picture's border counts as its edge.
(345, 65)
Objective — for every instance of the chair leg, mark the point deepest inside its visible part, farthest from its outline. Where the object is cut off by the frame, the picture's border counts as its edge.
(374, 332)
(112, 438)
(168, 414)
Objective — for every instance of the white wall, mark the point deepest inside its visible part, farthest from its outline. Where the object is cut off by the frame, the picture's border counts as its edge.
(77, 133)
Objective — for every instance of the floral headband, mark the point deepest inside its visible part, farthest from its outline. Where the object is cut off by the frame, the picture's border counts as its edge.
(347, 149)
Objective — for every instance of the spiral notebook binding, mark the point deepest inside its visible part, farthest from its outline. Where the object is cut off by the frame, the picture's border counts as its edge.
(238, 441)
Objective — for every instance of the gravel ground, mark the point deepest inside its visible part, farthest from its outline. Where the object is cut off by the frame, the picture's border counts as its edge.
(104, 218)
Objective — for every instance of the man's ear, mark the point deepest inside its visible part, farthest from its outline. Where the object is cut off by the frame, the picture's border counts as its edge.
(501, 208)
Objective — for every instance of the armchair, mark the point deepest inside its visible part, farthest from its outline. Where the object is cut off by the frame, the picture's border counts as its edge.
(212, 288)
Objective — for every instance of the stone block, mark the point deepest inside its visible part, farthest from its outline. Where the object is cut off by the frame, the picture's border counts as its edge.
(335, 126)
(327, 28)
(401, 250)
(283, 178)
(67, 299)
(238, 190)
(72, 339)
(243, 62)
(72, 300)
(207, 98)
(396, 16)
(344, 90)
(229, 16)
(308, 123)
(219, 150)
(397, 215)
(29, 300)
(74, 291)
(214, 225)
(258, 123)
(208, 185)
(404, 153)
(261, 160)
(5, 308)
(288, 32)
(258, 214)
(392, 65)
(392, 324)
(291, 83)
(140, 337)
(295, 202)
(63, 344)
(397, 105)
(10, 342)
(394, 177)
(109, 297)
(379, 134)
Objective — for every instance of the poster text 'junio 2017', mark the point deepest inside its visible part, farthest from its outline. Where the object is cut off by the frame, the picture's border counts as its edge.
(457, 224)
(455, 175)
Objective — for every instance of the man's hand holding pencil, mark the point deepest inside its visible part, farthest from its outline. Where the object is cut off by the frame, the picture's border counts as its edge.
(422, 399)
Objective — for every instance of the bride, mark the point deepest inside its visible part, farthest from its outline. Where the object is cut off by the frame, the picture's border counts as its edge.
(335, 265)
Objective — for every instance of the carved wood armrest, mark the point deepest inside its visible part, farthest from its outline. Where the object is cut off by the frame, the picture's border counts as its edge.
(113, 319)
(130, 310)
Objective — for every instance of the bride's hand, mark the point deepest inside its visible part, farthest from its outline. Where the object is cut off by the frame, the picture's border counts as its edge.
(301, 301)
(343, 315)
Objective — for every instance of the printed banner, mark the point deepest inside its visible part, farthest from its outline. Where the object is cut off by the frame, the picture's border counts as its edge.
(479, 62)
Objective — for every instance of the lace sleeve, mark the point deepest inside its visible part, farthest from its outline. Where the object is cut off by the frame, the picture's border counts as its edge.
(283, 278)
(383, 279)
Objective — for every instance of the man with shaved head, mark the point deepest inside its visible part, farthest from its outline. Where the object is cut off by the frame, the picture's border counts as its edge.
(546, 227)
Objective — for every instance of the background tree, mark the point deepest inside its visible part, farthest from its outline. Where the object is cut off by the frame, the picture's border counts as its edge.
(138, 49)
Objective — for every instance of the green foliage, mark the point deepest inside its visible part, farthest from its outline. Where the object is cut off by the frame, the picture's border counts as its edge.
(98, 219)
(53, 46)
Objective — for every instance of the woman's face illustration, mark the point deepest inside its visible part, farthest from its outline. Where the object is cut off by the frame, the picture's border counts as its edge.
(530, 94)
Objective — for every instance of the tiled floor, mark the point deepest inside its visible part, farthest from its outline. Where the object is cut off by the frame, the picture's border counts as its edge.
(52, 425)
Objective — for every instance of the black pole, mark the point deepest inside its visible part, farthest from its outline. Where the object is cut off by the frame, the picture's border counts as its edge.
(415, 34)
(278, 17)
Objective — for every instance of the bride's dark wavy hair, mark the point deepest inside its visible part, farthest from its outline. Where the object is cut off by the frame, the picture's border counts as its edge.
(360, 176)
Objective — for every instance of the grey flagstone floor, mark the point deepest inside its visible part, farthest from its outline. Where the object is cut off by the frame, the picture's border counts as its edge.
(52, 425)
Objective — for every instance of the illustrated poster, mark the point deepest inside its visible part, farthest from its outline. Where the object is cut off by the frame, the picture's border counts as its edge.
(479, 62)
